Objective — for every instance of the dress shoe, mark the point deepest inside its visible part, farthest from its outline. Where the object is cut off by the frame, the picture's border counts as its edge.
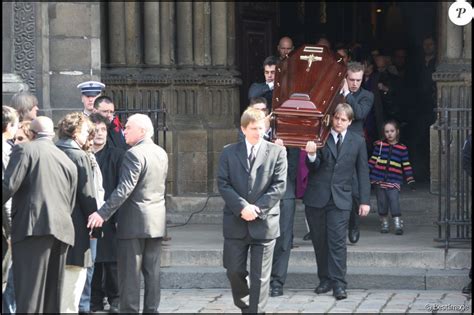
(276, 291)
(467, 288)
(323, 287)
(340, 293)
(354, 235)
(307, 237)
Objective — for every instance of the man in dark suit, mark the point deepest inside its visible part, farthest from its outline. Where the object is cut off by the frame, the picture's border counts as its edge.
(281, 255)
(361, 102)
(328, 198)
(265, 89)
(140, 195)
(251, 179)
(42, 181)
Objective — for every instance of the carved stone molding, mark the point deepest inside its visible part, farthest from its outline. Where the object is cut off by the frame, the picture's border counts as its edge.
(24, 29)
(171, 77)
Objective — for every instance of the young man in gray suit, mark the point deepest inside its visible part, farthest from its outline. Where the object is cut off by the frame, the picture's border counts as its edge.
(43, 183)
(140, 195)
(328, 198)
(252, 180)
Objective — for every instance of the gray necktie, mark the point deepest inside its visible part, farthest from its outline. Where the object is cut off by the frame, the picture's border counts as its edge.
(339, 143)
(252, 156)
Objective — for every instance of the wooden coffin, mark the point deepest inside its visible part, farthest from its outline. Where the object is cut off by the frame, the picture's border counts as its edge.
(307, 89)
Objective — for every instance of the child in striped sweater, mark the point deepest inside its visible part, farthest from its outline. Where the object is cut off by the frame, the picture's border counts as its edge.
(389, 165)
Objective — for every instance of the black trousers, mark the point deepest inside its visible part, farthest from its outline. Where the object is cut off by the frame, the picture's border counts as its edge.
(281, 253)
(135, 257)
(255, 298)
(104, 284)
(38, 265)
(328, 228)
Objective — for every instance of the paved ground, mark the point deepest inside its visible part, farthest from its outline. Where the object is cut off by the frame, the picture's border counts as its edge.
(305, 301)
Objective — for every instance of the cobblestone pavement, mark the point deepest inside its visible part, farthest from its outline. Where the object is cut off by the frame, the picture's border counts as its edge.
(305, 301)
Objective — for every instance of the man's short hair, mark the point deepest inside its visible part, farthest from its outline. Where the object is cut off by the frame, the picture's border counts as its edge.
(102, 99)
(344, 108)
(251, 115)
(270, 61)
(145, 122)
(258, 100)
(355, 66)
(9, 115)
(97, 118)
(70, 124)
(23, 102)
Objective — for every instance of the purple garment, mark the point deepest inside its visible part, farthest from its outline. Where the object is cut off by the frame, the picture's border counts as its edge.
(301, 175)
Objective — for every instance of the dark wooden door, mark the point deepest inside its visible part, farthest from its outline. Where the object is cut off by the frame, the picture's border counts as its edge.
(256, 23)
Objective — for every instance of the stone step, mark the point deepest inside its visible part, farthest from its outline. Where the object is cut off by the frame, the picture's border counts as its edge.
(419, 207)
(407, 258)
(305, 277)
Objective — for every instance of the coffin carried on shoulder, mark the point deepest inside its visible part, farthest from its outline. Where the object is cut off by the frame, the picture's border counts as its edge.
(307, 89)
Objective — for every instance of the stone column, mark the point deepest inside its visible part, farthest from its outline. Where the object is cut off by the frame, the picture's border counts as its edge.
(453, 77)
(132, 33)
(167, 20)
(151, 14)
(184, 33)
(199, 18)
(467, 51)
(230, 33)
(116, 33)
(219, 33)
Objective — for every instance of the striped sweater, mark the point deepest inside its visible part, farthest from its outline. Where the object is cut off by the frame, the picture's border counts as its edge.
(389, 163)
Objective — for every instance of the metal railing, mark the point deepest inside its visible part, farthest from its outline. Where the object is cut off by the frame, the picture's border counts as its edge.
(454, 184)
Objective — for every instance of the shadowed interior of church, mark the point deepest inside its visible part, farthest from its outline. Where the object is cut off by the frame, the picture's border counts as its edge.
(385, 26)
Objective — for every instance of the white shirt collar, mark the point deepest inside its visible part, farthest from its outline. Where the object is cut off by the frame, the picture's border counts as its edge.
(249, 147)
(334, 134)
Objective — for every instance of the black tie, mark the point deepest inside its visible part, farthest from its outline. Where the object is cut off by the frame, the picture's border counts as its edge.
(339, 143)
(252, 156)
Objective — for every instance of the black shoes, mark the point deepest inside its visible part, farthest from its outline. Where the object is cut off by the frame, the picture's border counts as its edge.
(323, 287)
(307, 237)
(354, 235)
(276, 291)
(467, 288)
(339, 293)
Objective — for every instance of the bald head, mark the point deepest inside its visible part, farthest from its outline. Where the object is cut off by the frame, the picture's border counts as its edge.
(285, 46)
(42, 126)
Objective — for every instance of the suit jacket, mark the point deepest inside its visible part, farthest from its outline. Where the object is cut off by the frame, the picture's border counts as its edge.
(115, 138)
(261, 90)
(361, 103)
(86, 204)
(331, 175)
(140, 193)
(110, 162)
(263, 186)
(42, 181)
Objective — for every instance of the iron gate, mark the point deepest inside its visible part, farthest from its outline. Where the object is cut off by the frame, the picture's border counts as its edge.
(454, 184)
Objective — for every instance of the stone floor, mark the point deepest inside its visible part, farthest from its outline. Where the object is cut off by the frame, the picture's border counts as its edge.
(305, 301)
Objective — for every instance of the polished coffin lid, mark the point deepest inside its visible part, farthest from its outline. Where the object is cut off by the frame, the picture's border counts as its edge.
(307, 89)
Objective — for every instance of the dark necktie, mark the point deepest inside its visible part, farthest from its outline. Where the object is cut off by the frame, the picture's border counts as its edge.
(339, 143)
(252, 156)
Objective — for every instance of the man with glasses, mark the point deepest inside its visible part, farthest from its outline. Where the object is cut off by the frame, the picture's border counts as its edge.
(106, 108)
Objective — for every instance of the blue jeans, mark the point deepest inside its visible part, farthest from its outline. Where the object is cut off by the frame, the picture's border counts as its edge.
(8, 303)
(85, 302)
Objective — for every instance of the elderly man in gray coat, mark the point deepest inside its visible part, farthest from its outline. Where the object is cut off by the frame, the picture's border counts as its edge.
(140, 195)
